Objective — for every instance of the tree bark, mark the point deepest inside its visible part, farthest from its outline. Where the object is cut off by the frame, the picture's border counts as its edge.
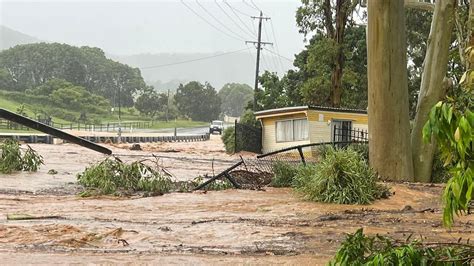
(389, 129)
(343, 8)
(432, 88)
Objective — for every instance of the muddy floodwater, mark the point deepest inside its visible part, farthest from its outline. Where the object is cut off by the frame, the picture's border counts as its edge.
(273, 226)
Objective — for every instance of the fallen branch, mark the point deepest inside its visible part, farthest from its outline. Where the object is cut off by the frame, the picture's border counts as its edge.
(20, 217)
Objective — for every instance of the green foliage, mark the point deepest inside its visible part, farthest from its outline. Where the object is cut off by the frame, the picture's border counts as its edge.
(342, 176)
(234, 97)
(150, 102)
(273, 94)
(32, 65)
(362, 149)
(197, 101)
(112, 176)
(12, 159)
(284, 174)
(451, 124)
(359, 249)
(248, 118)
(58, 93)
(228, 137)
(219, 184)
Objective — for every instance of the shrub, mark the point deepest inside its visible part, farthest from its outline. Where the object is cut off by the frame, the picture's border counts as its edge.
(111, 176)
(248, 118)
(12, 159)
(359, 249)
(284, 174)
(341, 177)
(362, 149)
(228, 137)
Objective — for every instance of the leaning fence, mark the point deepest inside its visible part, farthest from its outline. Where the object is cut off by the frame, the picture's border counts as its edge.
(258, 172)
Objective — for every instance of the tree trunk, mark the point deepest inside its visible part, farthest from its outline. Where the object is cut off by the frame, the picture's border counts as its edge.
(336, 80)
(389, 128)
(432, 88)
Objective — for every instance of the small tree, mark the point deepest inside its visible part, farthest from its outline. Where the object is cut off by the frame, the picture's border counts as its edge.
(197, 101)
(150, 102)
(451, 124)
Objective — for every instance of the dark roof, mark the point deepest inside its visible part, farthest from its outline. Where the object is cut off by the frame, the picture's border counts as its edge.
(334, 109)
(303, 108)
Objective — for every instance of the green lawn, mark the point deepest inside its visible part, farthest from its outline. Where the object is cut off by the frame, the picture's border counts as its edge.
(126, 116)
(178, 124)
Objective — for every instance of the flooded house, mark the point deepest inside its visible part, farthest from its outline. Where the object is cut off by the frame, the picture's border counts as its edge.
(291, 126)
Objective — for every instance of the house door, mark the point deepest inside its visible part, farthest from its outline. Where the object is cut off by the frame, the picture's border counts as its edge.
(341, 130)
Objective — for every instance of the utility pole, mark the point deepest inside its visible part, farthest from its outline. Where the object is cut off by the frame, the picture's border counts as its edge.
(119, 117)
(167, 105)
(259, 44)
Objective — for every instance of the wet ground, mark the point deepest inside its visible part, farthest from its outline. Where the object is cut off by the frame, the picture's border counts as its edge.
(273, 226)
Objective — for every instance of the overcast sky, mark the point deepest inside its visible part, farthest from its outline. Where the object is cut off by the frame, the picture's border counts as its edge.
(133, 27)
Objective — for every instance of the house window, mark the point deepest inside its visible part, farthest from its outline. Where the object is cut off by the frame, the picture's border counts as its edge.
(292, 130)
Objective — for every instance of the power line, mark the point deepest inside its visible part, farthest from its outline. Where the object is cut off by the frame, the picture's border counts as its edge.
(279, 55)
(251, 1)
(194, 60)
(209, 23)
(265, 63)
(218, 21)
(274, 62)
(233, 21)
(249, 5)
(275, 41)
(234, 10)
(237, 10)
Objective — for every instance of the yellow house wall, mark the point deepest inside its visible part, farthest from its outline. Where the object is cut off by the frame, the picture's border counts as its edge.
(269, 142)
(318, 126)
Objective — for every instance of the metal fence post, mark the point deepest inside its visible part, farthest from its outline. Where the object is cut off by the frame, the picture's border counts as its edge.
(235, 136)
(300, 150)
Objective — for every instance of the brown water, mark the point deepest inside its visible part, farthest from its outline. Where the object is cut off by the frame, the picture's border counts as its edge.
(222, 227)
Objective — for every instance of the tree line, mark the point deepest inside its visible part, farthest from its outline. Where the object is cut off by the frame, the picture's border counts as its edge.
(83, 79)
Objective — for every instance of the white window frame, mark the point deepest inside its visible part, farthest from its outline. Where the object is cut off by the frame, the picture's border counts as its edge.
(292, 129)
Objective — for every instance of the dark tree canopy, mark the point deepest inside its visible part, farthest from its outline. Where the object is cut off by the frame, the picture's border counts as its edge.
(234, 97)
(64, 94)
(31, 65)
(198, 101)
(150, 102)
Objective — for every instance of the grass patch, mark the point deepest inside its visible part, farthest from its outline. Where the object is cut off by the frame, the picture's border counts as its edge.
(359, 249)
(178, 124)
(112, 176)
(284, 174)
(342, 177)
(14, 158)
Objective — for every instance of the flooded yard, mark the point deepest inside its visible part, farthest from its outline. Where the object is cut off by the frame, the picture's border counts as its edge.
(273, 226)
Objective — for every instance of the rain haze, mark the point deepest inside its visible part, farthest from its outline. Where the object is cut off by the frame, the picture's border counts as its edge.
(161, 36)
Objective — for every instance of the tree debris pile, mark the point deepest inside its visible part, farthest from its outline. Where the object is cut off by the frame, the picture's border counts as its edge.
(251, 180)
(15, 158)
(112, 176)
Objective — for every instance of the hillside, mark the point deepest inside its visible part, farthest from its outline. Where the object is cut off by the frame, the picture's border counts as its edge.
(10, 38)
(237, 67)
